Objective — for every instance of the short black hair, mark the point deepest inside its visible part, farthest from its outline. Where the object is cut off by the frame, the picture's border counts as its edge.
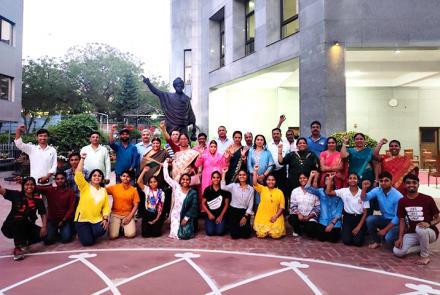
(412, 177)
(276, 129)
(95, 132)
(62, 173)
(394, 141)
(128, 172)
(43, 131)
(202, 134)
(73, 154)
(386, 174)
(315, 122)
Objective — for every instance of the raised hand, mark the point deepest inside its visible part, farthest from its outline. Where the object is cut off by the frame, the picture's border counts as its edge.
(383, 141)
(346, 139)
(282, 119)
(145, 79)
(366, 184)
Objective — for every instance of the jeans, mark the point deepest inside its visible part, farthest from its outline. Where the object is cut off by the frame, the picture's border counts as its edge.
(421, 238)
(54, 233)
(214, 229)
(375, 222)
(89, 232)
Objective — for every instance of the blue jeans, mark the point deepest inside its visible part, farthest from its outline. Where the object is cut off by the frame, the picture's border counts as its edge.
(376, 222)
(89, 232)
(54, 233)
(214, 229)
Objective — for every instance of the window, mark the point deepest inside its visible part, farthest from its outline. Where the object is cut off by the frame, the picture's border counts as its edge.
(5, 87)
(6, 31)
(250, 26)
(289, 17)
(222, 42)
(187, 70)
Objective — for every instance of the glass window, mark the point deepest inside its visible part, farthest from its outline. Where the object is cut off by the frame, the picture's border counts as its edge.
(289, 17)
(250, 26)
(187, 60)
(6, 31)
(222, 43)
(5, 87)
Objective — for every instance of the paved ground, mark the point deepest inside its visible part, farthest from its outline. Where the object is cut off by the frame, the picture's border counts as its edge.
(217, 264)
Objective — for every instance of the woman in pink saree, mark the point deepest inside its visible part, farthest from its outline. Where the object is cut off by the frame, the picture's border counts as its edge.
(211, 161)
(331, 163)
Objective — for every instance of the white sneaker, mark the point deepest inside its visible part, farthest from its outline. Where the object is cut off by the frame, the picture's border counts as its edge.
(294, 234)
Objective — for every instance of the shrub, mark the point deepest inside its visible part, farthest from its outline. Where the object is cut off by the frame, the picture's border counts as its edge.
(73, 133)
(369, 142)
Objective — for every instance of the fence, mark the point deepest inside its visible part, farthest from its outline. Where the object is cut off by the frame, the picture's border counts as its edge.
(9, 150)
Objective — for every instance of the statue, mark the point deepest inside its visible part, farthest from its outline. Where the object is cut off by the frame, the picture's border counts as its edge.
(176, 106)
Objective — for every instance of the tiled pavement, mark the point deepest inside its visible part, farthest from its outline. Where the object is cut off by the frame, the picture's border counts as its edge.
(296, 247)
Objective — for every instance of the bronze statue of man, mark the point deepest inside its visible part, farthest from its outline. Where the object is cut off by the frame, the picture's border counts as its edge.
(176, 106)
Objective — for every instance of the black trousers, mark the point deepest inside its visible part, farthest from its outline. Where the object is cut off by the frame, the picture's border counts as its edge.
(23, 232)
(350, 221)
(236, 230)
(332, 236)
(310, 228)
(151, 230)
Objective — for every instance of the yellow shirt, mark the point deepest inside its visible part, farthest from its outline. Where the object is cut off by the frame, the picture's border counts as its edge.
(93, 203)
(271, 200)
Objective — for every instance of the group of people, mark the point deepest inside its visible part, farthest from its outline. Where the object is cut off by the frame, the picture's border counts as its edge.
(324, 193)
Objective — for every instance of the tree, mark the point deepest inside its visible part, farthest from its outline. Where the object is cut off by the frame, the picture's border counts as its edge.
(47, 90)
(73, 133)
(99, 70)
(128, 100)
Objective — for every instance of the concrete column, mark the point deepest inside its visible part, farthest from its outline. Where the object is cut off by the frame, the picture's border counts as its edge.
(321, 74)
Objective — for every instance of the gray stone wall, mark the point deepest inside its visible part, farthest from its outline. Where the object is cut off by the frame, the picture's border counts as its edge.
(10, 59)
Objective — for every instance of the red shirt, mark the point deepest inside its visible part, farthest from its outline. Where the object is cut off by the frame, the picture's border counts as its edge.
(60, 202)
(414, 211)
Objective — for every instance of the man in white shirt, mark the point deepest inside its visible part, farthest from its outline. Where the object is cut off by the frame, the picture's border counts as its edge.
(279, 172)
(222, 141)
(97, 156)
(42, 157)
(290, 140)
(143, 147)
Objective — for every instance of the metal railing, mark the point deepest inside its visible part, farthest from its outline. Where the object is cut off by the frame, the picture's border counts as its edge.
(9, 150)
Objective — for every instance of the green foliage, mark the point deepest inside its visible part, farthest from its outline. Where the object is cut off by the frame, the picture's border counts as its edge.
(370, 142)
(127, 101)
(99, 70)
(73, 133)
(4, 138)
(47, 90)
(95, 78)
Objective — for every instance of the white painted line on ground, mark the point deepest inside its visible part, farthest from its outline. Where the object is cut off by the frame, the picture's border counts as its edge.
(295, 266)
(239, 253)
(253, 279)
(37, 275)
(122, 282)
(421, 290)
(187, 257)
(100, 274)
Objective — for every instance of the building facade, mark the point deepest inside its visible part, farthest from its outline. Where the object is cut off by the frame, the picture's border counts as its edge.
(11, 35)
(371, 66)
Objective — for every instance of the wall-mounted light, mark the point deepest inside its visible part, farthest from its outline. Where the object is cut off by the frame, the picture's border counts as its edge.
(396, 51)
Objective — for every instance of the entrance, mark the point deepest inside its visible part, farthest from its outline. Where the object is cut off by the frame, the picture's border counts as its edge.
(429, 145)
